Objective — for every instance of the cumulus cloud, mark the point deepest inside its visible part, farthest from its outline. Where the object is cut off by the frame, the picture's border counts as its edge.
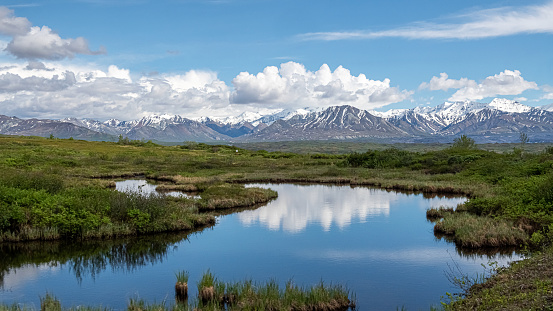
(66, 91)
(505, 83)
(34, 65)
(10, 83)
(505, 21)
(11, 25)
(444, 83)
(293, 86)
(55, 90)
(32, 42)
(508, 82)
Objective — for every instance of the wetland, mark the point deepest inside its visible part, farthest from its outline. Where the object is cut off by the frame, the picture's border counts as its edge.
(63, 223)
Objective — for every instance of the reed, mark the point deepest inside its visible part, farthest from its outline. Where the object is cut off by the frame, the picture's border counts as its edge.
(181, 287)
(50, 303)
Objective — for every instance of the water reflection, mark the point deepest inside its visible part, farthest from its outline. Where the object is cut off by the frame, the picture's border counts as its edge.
(142, 186)
(327, 205)
(23, 261)
(376, 242)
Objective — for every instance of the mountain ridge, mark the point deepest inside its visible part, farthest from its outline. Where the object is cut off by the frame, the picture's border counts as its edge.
(487, 121)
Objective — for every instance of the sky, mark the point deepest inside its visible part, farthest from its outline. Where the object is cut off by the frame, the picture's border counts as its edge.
(126, 59)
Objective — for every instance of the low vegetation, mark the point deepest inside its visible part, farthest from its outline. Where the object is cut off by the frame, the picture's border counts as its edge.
(247, 295)
(525, 285)
(59, 189)
(242, 295)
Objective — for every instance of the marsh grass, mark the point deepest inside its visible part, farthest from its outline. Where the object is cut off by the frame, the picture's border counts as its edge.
(181, 287)
(50, 303)
(182, 276)
(225, 196)
(473, 231)
(525, 285)
(433, 214)
(247, 295)
(184, 188)
(141, 305)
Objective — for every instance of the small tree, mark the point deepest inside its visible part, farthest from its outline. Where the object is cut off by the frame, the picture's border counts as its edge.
(523, 138)
(463, 142)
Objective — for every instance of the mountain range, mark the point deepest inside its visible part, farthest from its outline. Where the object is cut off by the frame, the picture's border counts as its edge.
(501, 120)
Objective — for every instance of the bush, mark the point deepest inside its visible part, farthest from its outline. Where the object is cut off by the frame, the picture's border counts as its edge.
(388, 158)
(11, 217)
(463, 142)
(32, 180)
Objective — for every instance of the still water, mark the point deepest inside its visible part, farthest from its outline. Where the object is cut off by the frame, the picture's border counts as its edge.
(377, 243)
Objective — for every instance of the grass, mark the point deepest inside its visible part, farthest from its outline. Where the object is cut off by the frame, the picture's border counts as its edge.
(52, 189)
(435, 214)
(244, 295)
(479, 231)
(247, 295)
(226, 196)
(525, 285)
(182, 276)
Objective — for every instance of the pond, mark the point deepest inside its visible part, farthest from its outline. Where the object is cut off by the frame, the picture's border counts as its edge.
(377, 243)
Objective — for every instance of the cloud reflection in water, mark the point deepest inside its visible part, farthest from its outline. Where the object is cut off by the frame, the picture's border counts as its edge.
(299, 206)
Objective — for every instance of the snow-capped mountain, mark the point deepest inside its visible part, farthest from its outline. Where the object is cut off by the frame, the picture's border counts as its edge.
(500, 120)
(547, 107)
(452, 112)
(340, 122)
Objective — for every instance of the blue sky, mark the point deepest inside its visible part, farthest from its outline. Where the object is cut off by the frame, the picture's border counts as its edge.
(126, 59)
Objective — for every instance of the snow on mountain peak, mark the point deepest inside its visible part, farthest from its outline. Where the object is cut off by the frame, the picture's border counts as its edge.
(506, 105)
(398, 113)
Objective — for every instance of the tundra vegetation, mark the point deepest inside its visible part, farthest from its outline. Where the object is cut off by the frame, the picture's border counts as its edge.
(60, 189)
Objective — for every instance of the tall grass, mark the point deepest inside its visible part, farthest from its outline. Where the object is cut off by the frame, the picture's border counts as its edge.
(247, 295)
(474, 231)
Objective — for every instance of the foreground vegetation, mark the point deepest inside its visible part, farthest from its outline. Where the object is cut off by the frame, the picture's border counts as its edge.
(525, 285)
(58, 189)
(216, 295)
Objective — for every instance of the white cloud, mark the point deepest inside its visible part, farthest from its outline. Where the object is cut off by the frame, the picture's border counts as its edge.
(10, 83)
(11, 25)
(489, 23)
(115, 72)
(60, 91)
(292, 86)
(55, 90)
(43, 43)
(508, 82)
(32, 42)
(505, 83)
(548, 92)
(444, 84)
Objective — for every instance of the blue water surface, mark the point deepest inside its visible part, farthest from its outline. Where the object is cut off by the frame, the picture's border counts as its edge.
(377, 243)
